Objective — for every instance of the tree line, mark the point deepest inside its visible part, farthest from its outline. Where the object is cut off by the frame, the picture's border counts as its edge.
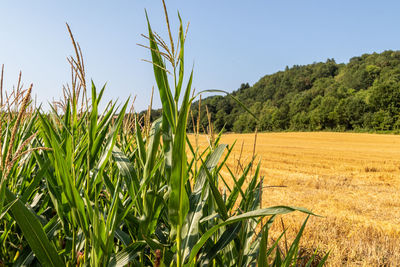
(362, 95)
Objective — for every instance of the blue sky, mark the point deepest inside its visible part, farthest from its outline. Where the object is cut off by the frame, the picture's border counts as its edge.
(229, 42)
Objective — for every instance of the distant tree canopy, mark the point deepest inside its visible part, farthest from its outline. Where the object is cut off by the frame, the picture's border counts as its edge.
(363, 94)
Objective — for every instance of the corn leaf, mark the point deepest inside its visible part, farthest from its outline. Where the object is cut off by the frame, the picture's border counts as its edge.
(197, 200)
(251, 214)
(34, 233)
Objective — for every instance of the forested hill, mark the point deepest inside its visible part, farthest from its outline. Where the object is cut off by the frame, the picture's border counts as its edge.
(363, 94)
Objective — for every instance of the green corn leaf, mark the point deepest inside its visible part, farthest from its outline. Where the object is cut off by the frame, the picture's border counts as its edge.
(168, 255)
(2, 192)
(6, 142)
(309, 262)
(112, 220)
(323, 260)
(291, 255)
(262, 253)
(108, 147)
(160, 75)
(228, 235)
(238, 187)
(278, 259)
(93, 120)
(36, 180)
(181, 60)
(124, 257)
(197, 200)
(152, 147)
(34, 233)
(71, 192)
(154, 202)
(27, 255)
(101, 132)
(210, 217)
(249, 234)
(251, 189)
(167, 138)
(251, 214)
(127, 171)
(229, 148)
(107, 115)
(275, 244)
(217, 195)
(123, 237)
(178, 201)
(6, 208)
(140, 143)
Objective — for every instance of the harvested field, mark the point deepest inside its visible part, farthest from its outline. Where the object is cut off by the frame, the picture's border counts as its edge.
(351, 179)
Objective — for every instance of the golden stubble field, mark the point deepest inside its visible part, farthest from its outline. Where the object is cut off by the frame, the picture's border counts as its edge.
(351, 179)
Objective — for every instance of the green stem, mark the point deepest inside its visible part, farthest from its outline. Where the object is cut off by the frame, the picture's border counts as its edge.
(178, 244)
(73, 245)
(86, 250)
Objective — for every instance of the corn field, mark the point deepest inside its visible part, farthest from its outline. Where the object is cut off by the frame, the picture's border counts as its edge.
(81, 187)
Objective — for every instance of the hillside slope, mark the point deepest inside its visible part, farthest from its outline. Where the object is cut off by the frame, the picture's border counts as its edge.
(363, 94)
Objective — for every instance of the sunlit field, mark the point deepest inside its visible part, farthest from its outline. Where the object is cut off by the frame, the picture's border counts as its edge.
(350, 179)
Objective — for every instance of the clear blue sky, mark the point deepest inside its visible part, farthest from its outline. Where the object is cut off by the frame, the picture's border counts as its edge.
(229, 42)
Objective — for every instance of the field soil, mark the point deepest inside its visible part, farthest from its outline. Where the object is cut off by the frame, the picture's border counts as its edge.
(351, 179)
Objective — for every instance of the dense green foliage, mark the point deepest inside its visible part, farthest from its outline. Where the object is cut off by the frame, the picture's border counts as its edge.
(362, 95)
